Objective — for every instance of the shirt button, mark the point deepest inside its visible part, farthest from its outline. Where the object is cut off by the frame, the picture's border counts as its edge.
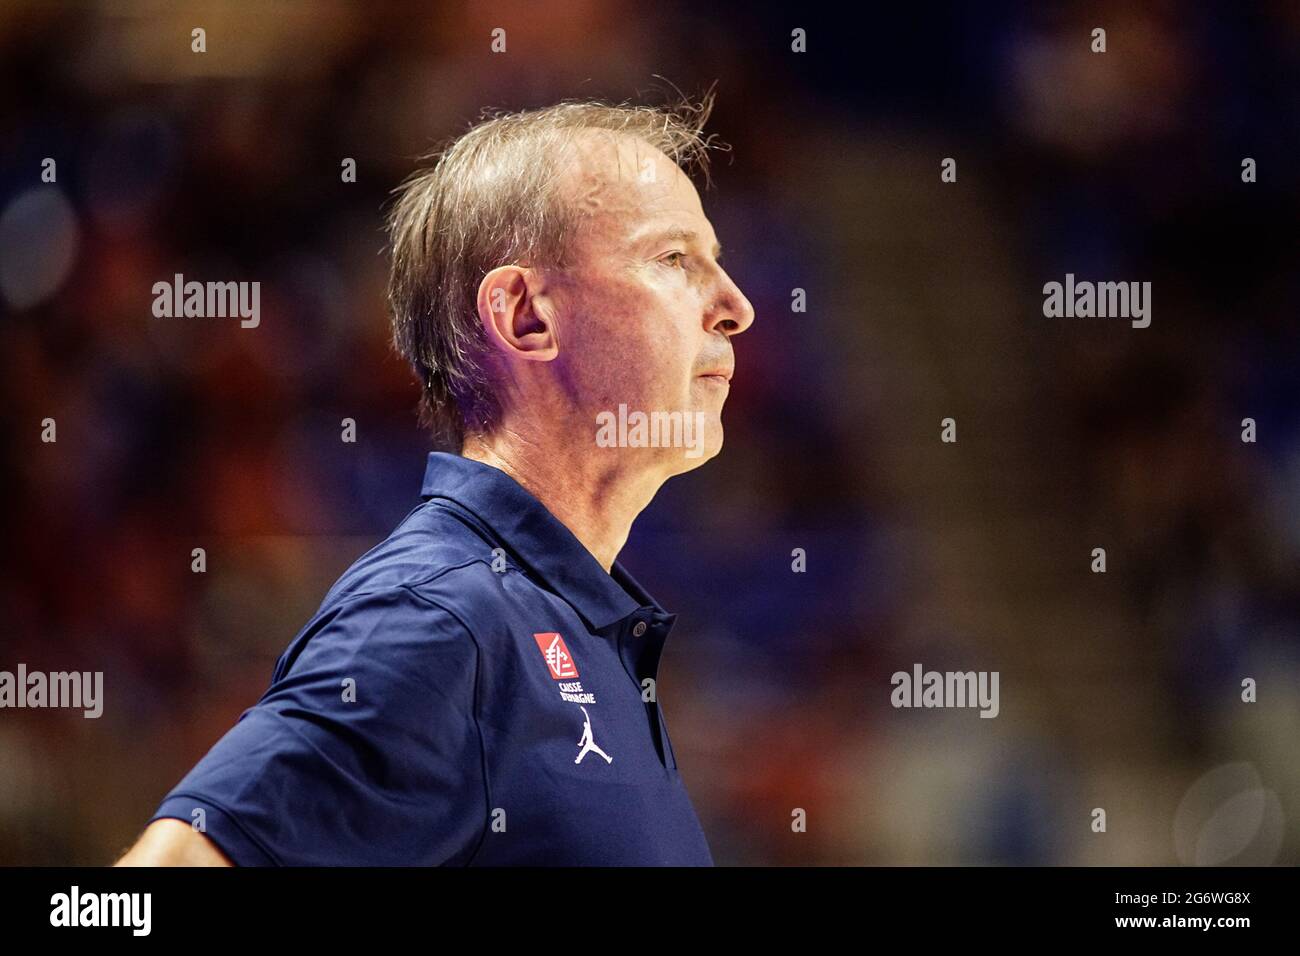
(638, 629)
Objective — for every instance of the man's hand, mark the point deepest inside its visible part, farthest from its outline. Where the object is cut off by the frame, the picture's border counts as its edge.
(169, 842)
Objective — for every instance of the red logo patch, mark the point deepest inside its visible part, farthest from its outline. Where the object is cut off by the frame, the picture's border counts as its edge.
(557, 655)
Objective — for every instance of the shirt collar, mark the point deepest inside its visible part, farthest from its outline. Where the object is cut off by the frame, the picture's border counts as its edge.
(539, 540)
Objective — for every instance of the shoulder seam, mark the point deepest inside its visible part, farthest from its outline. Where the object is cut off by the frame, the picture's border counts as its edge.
(343, 596)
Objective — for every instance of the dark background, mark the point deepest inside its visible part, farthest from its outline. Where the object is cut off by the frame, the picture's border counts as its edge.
(1119, 690)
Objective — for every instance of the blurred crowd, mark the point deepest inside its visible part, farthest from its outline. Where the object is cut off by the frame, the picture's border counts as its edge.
(1120, 691)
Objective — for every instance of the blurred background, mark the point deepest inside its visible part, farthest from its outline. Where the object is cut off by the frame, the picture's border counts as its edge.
(1119, 690)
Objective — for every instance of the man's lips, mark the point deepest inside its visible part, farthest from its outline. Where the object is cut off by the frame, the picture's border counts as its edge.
(722, 375)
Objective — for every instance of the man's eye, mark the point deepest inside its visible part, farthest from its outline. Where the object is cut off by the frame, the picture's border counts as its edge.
(681, 256)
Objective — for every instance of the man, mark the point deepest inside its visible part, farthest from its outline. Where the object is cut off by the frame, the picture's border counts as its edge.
(479, 688)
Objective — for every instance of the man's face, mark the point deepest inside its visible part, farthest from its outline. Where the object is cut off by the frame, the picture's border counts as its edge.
(646, 313)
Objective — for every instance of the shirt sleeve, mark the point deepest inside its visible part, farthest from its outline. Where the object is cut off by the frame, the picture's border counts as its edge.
(364, 751)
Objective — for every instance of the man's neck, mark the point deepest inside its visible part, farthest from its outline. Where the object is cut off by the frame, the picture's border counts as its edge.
(590, 490)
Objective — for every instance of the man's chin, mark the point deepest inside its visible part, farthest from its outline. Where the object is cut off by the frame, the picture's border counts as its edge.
(700, 451)
(675, 441)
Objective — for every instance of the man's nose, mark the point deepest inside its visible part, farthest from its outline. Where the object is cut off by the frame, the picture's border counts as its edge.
(732, 313)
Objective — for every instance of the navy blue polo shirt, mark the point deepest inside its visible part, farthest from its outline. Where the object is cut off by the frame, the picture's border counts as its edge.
(474, 690)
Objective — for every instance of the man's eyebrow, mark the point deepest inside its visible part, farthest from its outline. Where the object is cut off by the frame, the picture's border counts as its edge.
(681, 234)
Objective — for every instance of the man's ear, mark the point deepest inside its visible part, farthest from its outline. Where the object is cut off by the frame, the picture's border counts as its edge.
(507, 309)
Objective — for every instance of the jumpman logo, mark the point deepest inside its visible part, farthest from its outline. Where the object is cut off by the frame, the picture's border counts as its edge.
(587, 743)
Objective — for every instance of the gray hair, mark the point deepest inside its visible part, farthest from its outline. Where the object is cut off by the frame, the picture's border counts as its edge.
(489, 199)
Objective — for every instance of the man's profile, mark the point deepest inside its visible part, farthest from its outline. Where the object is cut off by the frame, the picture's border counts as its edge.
(552, 268)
